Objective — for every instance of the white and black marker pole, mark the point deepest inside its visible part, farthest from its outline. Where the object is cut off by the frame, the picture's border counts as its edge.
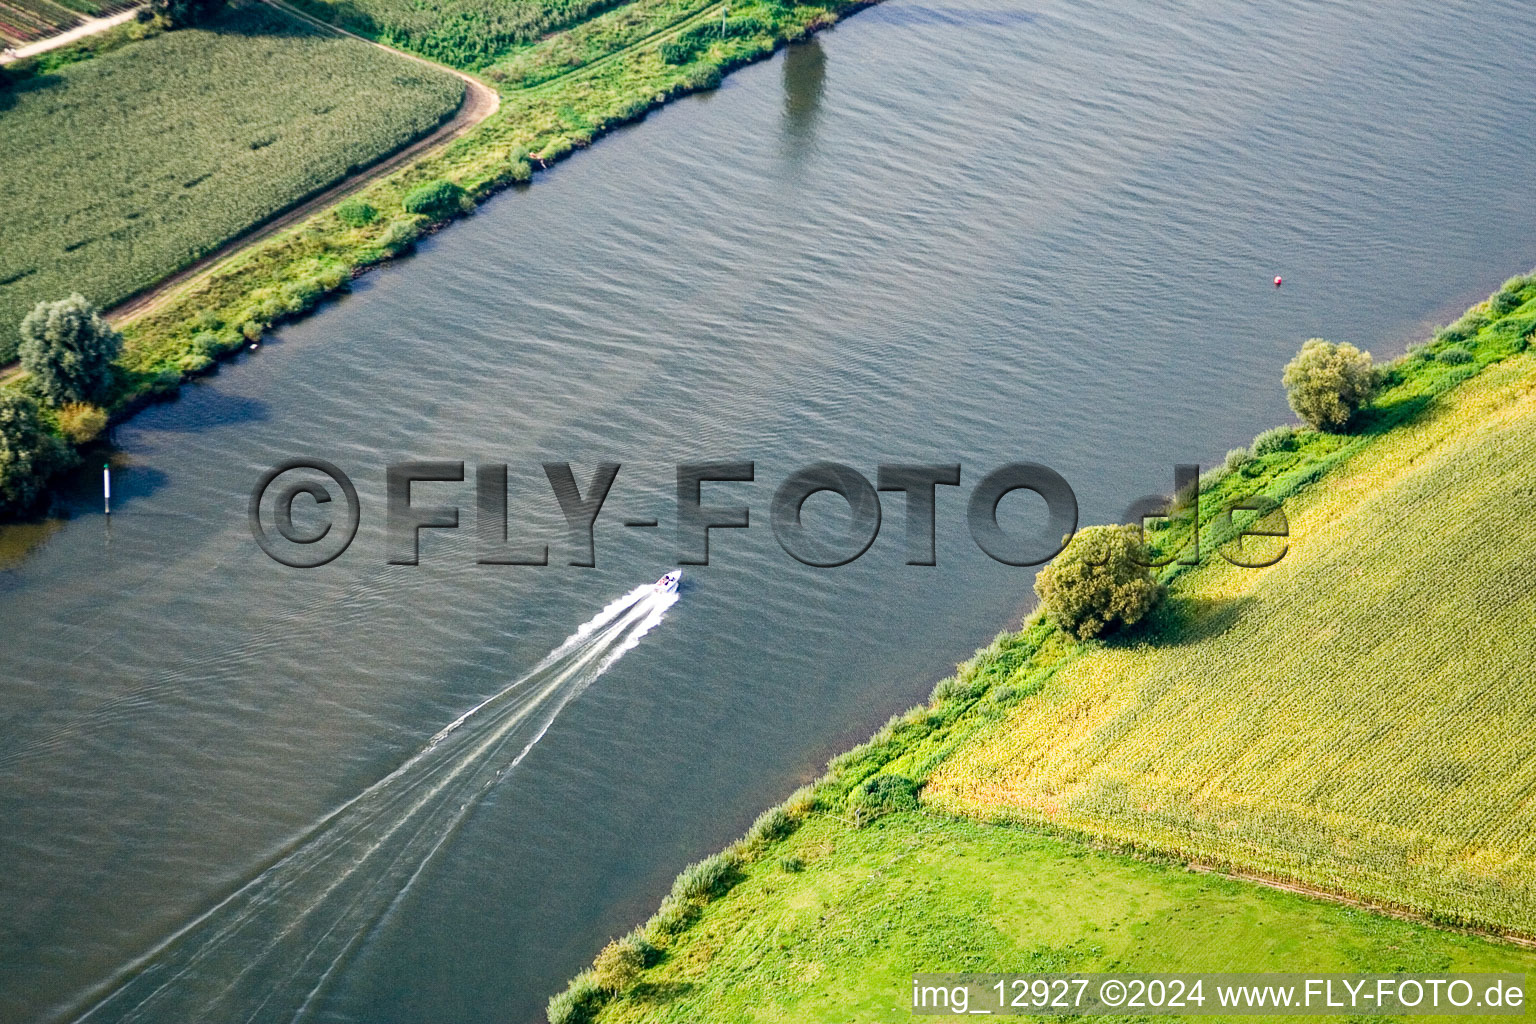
(106, 486)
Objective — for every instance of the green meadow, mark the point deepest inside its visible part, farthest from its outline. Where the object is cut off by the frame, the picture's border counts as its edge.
(837, 935)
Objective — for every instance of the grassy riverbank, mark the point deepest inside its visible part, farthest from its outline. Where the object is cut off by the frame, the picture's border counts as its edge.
(1354, 720)
(464, 33)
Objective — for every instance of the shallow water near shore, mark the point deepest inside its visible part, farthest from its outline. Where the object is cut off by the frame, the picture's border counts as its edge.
(936, 234)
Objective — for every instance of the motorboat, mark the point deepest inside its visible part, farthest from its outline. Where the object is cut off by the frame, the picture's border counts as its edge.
(668, 583)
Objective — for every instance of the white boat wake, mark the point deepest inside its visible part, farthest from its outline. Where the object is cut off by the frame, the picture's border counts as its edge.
(268, 951)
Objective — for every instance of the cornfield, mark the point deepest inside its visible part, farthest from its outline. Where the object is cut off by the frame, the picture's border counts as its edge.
(1360, 717)
(123, 168)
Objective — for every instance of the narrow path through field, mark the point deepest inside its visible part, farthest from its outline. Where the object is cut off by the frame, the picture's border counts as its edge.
(480, 102)
(89, 27)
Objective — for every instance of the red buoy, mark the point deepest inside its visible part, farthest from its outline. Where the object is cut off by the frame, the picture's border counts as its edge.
(1278, 281)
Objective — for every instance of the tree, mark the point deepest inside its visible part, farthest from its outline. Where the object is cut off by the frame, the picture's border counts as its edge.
(28, 453)
(1327, 384)
(68, 349)
(1101, 581)
(182, 13)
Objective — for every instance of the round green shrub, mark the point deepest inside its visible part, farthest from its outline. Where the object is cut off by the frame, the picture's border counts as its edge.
(579, 1003)
(1004, 695)
(399, 236)
(1275, 439)
(269, 309)
(556, 149)
(355, 213)
(1210, 479)
(1326, 384)
(704, 78)
(1454, 356)
(1390, 375)
(650, 955)
(193, 362)
(706, 879)
(1102, 581)
(1506, 300)
(298, 296)
(960, 686)
(519, 167)
(671, 917)
(436, 200)
(1463, 329)
(632, 110)
(675, 51)
(802, 801)
(774, 823)
(618, 966)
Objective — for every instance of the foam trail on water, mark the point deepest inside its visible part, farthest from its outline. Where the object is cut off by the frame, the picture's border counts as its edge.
(610, 612)
(269, 950)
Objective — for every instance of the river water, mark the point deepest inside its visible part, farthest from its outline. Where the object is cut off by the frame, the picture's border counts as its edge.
(1039, 231)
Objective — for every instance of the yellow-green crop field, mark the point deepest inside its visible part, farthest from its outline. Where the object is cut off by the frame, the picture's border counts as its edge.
(1359, 717)
(122, 168)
